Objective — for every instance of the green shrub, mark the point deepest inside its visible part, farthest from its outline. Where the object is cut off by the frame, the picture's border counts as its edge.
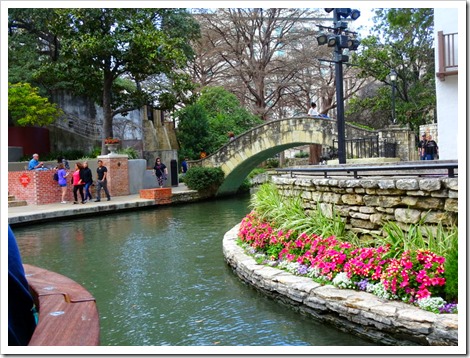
(301, 154)
(204, 179)
(255, 172)
(416, 236)
(451, 268)
(289, 214)
(272, 163)
(131, 152)
(95, 152)
(245, 186)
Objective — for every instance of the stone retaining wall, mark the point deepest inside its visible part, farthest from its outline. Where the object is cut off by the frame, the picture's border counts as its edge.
(357, 312)
(368, 202)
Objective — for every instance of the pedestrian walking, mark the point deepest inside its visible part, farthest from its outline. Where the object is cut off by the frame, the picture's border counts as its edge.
(78, 183)
(421, 147)
(431, 149)
(161, 172)
(62, 180)
(88, 179)
(102, 181)
(184, 166)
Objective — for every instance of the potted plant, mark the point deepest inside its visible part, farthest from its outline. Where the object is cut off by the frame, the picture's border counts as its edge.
(112, 144)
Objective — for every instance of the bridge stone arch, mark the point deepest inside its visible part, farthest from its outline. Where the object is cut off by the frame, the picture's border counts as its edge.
(239, 157)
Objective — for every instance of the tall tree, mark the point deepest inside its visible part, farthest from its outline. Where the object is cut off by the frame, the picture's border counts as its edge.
(255, 44)
(97, 47)
(403, 42)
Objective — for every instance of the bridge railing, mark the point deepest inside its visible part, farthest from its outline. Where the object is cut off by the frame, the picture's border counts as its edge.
(424, 168)
(367, 147)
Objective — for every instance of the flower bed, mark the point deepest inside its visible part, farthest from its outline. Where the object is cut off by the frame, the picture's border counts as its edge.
(413, 277)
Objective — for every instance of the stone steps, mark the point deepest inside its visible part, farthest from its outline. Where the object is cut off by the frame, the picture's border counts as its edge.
(12, 202)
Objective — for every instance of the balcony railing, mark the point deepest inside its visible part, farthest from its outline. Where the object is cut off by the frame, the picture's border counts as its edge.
(447, 54)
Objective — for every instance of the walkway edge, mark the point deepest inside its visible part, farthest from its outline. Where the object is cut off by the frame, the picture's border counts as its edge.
(357, 312)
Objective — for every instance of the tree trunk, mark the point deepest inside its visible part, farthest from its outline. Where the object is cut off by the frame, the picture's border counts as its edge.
(107, 112)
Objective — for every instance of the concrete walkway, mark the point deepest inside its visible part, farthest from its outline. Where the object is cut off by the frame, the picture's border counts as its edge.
(37, 213)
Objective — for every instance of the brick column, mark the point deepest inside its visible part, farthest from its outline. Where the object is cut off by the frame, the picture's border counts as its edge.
(118, 176)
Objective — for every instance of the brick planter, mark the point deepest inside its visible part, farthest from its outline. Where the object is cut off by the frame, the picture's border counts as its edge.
(160, 195)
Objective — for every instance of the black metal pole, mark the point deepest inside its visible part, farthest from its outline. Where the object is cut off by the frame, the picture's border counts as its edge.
(339, 97)
(394, 120)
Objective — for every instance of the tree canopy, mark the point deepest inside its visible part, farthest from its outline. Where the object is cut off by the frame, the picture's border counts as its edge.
(404, 43)
(27, 107)
(205, 125)
(95, 47)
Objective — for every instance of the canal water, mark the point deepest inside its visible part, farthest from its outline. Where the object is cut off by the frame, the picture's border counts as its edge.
(160, 279)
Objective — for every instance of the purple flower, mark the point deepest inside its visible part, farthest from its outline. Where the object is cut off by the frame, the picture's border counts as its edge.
(302, 270)
(448, 308)
(362, 285)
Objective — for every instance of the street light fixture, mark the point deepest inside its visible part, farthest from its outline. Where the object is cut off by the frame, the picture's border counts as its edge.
(393, 79)
(322, 39)
(341, 40)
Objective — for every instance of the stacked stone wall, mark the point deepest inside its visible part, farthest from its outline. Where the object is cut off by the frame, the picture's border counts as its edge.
(365, 204)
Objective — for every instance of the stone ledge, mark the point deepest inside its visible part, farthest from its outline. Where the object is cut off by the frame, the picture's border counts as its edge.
(357, 312)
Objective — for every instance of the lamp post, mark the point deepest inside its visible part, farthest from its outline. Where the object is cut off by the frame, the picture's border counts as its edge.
(340, 39)
(393, 79)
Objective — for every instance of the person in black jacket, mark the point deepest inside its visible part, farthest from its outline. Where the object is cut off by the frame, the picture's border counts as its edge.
(161, 172)
(431, 149)
(87, 176)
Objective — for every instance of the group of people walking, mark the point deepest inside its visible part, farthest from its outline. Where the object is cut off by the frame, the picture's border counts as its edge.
(427, 148)
(82, 180)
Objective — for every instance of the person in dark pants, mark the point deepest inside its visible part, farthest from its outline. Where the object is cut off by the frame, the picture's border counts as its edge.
(431, 149)
(78, 183)
(102, 173)
(421, 147)
(22, 313)
(88, 179)
(184, 166)
(161, 172)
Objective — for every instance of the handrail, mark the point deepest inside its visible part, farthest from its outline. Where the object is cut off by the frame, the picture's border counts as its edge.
(447, 55)
(68, 315)
(325, 169)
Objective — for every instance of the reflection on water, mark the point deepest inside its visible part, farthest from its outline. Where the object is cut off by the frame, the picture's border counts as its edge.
(159, 279)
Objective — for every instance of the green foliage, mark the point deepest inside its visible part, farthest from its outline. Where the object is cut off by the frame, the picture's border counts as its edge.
(301, 155)
(417, 236)
(360, 125)
(95, 152)
(92, 49)
(204, 179)
(192, 131)
(272, 163)
(451, 268)
(224, 114)
(131, 152)
(405, 43)
(244, 186)
(26, 107)
(256, 172)
(73, 154)
(289, 214)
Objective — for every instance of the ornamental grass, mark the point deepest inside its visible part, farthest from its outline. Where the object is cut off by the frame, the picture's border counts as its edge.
(406, 272)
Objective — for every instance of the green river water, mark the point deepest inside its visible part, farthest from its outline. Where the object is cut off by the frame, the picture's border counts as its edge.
(160, 279)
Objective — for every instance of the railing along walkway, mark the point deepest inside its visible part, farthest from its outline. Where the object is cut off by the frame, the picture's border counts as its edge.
(68, 315)
(421, 169)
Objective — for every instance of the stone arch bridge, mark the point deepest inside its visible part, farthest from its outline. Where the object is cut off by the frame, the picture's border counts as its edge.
(239, 157)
